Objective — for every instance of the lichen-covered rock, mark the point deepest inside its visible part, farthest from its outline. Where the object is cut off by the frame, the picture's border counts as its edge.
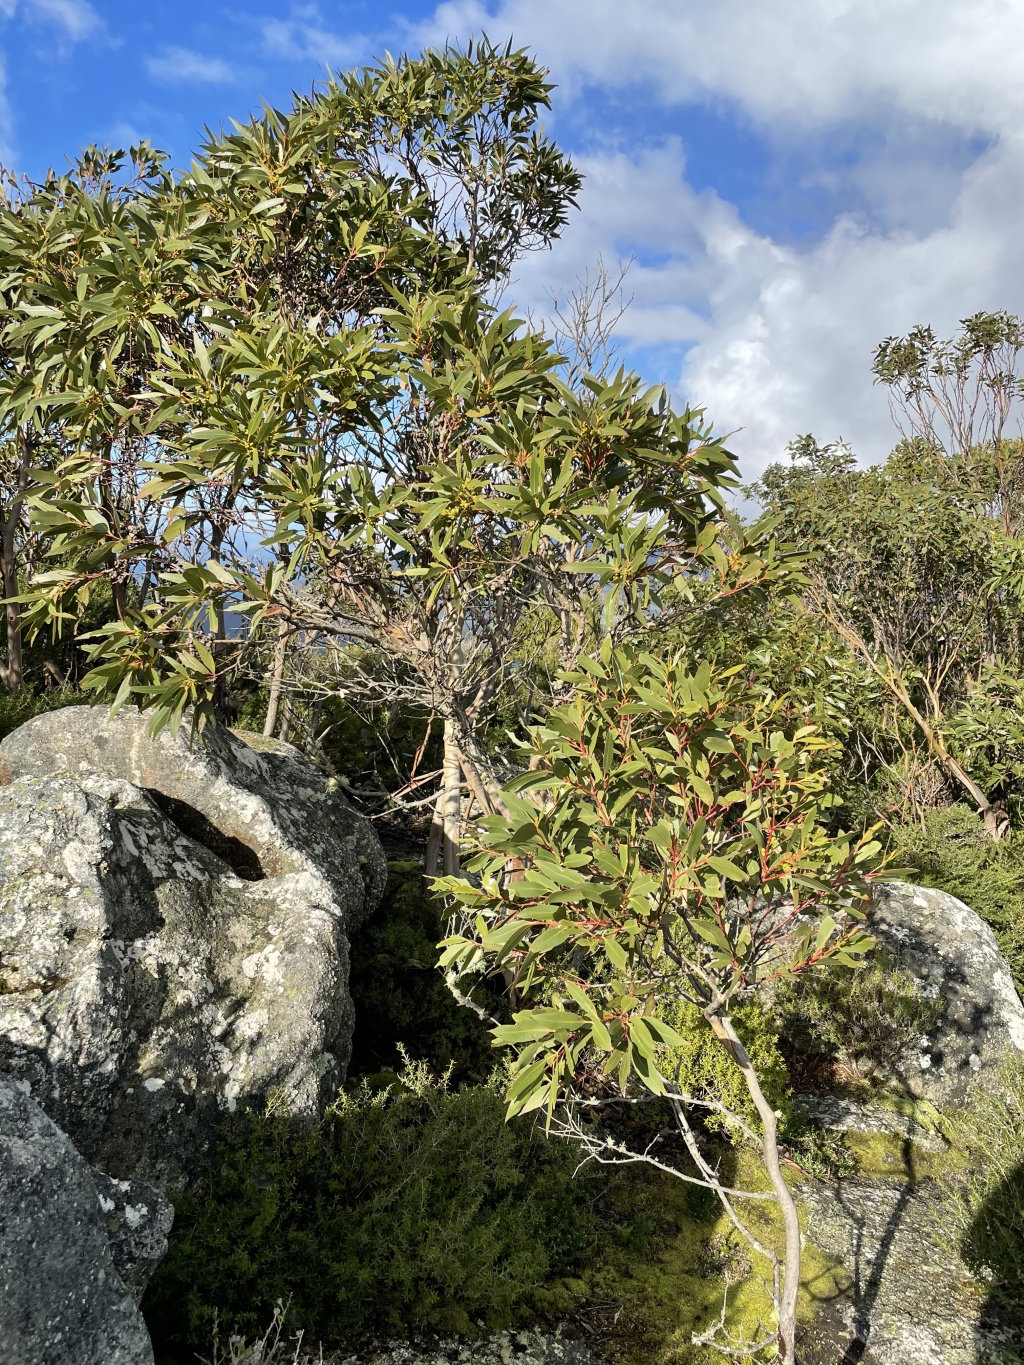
(953, 957)
(138, 1220)
(173, 933)
(502, 1348)
(61, 1300)
(846, 1116)
(910, 1299)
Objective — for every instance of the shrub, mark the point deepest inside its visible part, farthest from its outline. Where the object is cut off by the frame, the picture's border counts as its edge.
(416, 1206)
(702, 1068)
(272, 1348)
(18, 707)
(865, 1019)
(952, 853)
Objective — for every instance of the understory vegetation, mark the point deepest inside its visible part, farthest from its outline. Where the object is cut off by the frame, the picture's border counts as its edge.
(277, 453)
(411, 1206)
(414, 1209)
(990, 1199)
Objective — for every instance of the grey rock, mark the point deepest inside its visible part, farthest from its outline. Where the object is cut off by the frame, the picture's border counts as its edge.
(138, 1220)
(843, 1116)
(953, 957)
(174, 930)
(911, 1300)
(61, 1300)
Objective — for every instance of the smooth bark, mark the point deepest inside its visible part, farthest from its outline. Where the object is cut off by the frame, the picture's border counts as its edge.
(451, 859)
(787, 1296)
(276, 681)
(13, 673)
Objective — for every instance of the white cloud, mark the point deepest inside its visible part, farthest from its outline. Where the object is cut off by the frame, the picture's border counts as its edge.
(957, 61)
(905, 111)
(124, 134)
(180, 66)
(75, 18)
(304, 37)
(779, 338)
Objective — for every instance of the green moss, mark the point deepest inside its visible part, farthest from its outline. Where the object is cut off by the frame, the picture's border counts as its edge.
(664, 1253)
(260, 743)
(887, 1156)
(703, 1069)
(922, 1112)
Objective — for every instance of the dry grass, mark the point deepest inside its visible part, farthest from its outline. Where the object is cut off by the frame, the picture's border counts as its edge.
(273, 1348)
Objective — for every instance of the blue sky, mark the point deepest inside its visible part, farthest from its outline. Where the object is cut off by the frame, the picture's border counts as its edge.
(794, 181)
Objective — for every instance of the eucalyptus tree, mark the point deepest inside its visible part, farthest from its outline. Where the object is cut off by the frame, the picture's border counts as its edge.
(667, 843)
(276, 385)
(961, 398)
(296, 222)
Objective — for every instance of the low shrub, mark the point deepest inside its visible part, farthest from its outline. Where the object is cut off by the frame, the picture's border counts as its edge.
(702, 1068)
(953, 853)
(415, 1206)
(18, 707)
(272, 1348)
(865, 1020)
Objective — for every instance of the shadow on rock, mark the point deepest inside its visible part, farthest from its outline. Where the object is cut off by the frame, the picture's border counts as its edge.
(871, 1258)
(911, 1300)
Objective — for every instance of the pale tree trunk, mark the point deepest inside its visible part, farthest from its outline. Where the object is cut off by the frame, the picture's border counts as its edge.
(436, 838)
(479, 775)
(286, 717)
(451, 862)
(445, 837)
(13, 674)
(276, 680)
(221, 697)
(786, 1293)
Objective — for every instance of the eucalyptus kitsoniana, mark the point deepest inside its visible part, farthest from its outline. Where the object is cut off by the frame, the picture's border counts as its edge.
(667, 843)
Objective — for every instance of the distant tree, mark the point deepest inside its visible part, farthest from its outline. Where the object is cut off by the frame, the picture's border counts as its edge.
(917, 562)
(959, 397)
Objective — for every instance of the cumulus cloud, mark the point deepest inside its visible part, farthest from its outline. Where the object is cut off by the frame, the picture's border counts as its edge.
(304, 36)
(182, 66)
(950, 60)
(905, 111)
(778, 339)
